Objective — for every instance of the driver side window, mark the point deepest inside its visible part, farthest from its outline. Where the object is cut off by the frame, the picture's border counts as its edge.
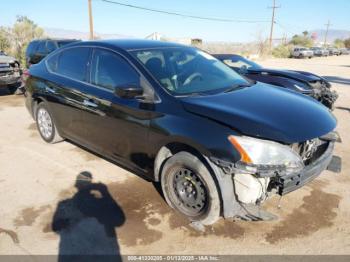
(110, 70)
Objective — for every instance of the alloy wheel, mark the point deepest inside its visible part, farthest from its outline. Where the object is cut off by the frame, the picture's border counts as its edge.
(45, 123)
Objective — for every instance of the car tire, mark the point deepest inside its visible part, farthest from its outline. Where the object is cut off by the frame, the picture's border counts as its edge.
(198, 199)
(45, 124)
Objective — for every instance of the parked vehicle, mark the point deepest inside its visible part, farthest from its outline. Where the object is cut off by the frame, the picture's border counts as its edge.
(333, 51)
(302, 82)
(344, 51)
(302, 52)
(38, 49)
(318, 51)
(10, 72)
(218, 143)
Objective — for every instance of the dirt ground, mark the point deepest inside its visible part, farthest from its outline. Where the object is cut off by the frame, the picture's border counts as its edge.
(126, 214)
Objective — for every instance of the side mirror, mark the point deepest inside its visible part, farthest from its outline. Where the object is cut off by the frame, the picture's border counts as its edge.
(129, 91)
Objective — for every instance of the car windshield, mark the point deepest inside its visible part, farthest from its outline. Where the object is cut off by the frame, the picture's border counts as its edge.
(186, 70)
(238, 62)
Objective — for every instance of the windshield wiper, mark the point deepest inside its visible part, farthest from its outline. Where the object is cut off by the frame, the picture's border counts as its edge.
(192, 94)
(235, 87)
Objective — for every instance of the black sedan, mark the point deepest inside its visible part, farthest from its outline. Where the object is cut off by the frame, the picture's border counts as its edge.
(217, 142)
(299, 81)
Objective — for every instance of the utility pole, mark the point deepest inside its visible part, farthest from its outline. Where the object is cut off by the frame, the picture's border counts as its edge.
(325, 37)
(91, 21)
(274, 7)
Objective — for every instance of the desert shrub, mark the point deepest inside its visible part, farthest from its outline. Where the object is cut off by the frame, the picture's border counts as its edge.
(281, 51)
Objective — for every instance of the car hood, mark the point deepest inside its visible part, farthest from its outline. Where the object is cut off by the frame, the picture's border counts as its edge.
(265, 111)
(297, 75)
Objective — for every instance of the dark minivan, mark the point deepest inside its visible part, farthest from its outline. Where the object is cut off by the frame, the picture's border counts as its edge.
(38, 49)
(218, 143)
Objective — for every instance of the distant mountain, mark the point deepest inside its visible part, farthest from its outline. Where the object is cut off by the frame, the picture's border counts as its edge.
(65, 33)
(332, 34)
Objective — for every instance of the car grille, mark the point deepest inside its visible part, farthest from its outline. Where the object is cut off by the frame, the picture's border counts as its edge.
(5, 73)
(6, 69)
(310, 150)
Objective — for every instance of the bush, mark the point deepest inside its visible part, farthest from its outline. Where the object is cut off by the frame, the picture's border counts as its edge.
(302, 40)
(339, 43)
(347, 43)
(281, 51)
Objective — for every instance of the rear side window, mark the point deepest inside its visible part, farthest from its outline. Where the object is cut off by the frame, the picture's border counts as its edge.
(109, 70)
(71, 63)
(50, 46)
(41, 47)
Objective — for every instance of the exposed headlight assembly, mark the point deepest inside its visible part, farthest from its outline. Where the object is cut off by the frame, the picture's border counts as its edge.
(259, 154)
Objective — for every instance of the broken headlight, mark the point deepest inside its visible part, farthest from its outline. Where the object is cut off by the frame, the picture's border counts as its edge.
(268, 155)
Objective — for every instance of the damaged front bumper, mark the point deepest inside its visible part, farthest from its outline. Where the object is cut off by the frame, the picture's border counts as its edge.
(9, 78)
(290, 182)
(272, 181)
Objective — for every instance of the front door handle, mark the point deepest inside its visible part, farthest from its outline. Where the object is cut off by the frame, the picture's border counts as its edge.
(89, 103)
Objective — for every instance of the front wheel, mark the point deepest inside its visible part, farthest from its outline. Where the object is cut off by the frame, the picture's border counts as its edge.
(189, 187)
(45, 125)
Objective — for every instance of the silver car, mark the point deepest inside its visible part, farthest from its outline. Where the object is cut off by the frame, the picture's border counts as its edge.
(318, 51)
(302, 52)
(333, 51)
(10, 72)
(344, 51)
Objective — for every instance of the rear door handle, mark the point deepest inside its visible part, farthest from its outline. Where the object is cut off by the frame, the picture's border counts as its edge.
(89, 103)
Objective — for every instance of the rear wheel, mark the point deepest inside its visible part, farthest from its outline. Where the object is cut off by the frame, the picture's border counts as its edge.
(45, 125)
(189, 187)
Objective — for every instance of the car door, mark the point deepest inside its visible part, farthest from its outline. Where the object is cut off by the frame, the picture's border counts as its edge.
(117, 127)
(65, 91)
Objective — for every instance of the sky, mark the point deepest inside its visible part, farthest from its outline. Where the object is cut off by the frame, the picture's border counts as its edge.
(293, 17)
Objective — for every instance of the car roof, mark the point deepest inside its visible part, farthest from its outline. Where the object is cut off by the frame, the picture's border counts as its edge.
(130, 44)
(54, 39)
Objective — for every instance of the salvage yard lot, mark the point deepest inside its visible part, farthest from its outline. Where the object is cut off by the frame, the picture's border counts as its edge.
(37, 183)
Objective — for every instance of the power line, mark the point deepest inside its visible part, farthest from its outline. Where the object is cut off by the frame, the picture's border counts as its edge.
(184, 15)
(274, 7)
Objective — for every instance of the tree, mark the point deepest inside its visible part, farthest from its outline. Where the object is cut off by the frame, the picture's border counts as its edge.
(339, 43)
(23, 31)
(347, 43)
(4, 39)
(302, 40)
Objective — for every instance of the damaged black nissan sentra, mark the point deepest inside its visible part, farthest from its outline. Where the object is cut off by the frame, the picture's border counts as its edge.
(218, 143)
